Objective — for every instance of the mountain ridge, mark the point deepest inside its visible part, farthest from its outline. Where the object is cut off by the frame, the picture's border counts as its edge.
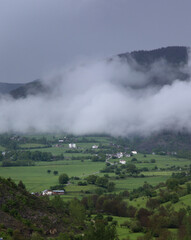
(7, 87)
(141, 60)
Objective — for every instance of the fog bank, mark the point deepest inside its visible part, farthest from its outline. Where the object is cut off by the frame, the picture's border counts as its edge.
(109, 97)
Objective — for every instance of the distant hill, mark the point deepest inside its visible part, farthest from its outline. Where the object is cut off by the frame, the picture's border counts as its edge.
(170, 63)
(23, 213)
(174, 55)
(31, 88)
(164, 141)
(22, 90)
(7, 87)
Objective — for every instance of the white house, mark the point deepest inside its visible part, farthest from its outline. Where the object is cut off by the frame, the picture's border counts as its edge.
(60, 140)
(52, 192)
(47, 192)
(72, 145)
(134, 152)
(119, 155)
(122, 161)
(95, 146)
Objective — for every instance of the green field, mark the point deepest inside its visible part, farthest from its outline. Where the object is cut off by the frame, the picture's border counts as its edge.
(183, 202)
(122, 232)
(131, 183)
(161, 161)
(149, 168)
(60, 150)
(36, 178)
(31, 145)
(2, 148)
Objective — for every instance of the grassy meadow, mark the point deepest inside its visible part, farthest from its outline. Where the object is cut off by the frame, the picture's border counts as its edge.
(78, 163)
(36, 177)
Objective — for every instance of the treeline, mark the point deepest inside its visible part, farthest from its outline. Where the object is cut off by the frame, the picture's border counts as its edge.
(124, 170)
(155, 220)
(90, 217)
(101, 182)
(25, 216)
(27, 158)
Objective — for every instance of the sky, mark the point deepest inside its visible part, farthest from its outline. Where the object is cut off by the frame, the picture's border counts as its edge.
(41, 36)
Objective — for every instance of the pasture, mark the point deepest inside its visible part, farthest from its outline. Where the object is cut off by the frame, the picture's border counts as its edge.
(77, 163)
(123, 232)
(37, 179)
(31, 145)
(2, 148)
(160, 161)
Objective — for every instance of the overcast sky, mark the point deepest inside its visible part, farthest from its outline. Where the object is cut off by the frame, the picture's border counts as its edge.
(38, 36)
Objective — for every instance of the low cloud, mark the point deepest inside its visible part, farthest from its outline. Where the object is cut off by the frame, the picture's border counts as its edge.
(111, 97)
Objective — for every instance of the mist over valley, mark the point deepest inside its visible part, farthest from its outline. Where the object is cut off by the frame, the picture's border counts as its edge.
(136, 93)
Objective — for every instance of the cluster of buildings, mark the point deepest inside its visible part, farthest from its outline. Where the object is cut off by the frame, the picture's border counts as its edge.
(52, 192)
(126, 155)
(72, 145)
(49, 193)
(120, 154)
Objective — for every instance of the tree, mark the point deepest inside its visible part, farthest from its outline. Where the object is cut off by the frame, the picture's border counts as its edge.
(101, 181)
(59, 204)
(174, 198)
(131, 168)
(101, 231)
(77, 211)
(172, 183)
(188, 186)
(48, 171)
(110, 186)
(55, 172)
(21, 185)
(1, 156)
(91, 179)
(63, 178)
(152, 203)
(134, 160)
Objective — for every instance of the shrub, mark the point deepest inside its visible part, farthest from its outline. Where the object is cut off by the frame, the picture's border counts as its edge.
(63, 178)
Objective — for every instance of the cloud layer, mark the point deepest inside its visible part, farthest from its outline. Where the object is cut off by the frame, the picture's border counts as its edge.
(109, 97)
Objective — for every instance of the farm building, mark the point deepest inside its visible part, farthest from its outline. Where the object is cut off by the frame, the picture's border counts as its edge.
(52, 192)
(95, 146)
(134, 152)
(122, 161)
(47, 192)
(72, 145)
(57, 192)
(119, 155)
